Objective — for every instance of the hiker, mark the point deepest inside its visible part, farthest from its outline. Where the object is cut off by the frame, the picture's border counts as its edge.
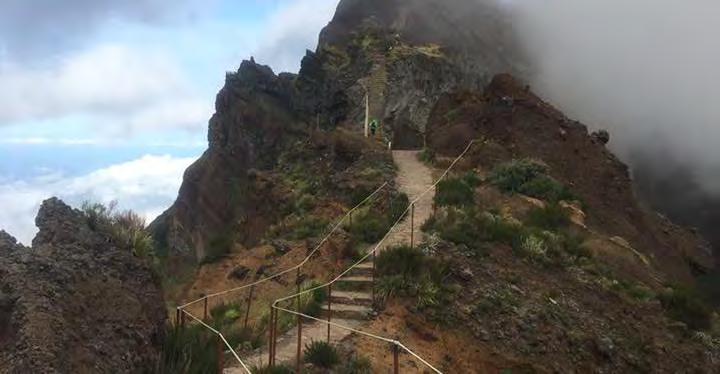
(373, 127)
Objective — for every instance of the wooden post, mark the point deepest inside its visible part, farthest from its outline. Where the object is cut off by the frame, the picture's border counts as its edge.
(374, 256)
(177, 318)
(205, 318)
(270, 338)
(249, 304)
(329, 310)
(275, 336)
(297, 298)
(299, 346)
(412, 225)
(396, 364)
(182, 318)
(221, 355)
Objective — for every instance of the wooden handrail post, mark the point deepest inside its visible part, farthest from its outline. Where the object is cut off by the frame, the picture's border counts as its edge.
(205, 318)
(270, 338)
(412, 225)
(299, 346)
(297, 282)
(329, 318)
(396, 363)
(177, 318)
(221, 355)
(182, 318)
(274, 344)
(374, 257)
(249, 304)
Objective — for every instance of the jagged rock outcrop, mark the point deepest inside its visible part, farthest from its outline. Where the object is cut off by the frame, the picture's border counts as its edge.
(76, 302)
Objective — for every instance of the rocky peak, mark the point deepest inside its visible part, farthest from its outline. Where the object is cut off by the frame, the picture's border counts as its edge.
(77, 295)
(58, 224)
(8, 243)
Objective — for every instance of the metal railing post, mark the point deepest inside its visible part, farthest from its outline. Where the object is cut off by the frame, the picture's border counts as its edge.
(396, 364)
(329, 318)
(274, 344)
(221, 355)
(374, 257)
(412, 225)
(270, 338)
(299, 346)
(249, 304)
(206, 309)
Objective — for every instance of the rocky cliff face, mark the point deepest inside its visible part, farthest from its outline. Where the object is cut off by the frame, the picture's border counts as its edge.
(518, 124)
(76, 302)
(380, 48)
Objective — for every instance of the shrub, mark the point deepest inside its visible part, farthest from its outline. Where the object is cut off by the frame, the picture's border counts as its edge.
(305, 203)
(369, 228)
(551, 217)
(687, 306)
(321, 354)
(454, 192)
(309, 227)
(529, 178)
(546, 188)
(356, 365)
(402, 261)
(427, 156)
(225, 314)
(511, 176)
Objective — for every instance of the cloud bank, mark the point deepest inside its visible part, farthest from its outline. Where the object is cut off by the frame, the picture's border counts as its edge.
(645, 69)
(147, 185)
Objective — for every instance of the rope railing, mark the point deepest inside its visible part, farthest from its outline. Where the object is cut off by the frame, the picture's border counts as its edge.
(181, 311)
(373, 252)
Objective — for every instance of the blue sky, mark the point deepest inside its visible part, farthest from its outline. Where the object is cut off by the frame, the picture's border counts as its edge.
(109, 100)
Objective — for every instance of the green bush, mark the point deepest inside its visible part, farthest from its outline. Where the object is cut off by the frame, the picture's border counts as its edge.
(225, 314)
(401, 261)
(321, 354)
(513, 175)
(551, 217)
(529, 178)
(369, 228)
(427, 156)
(687, 306)
(218, 247)
(454, 192)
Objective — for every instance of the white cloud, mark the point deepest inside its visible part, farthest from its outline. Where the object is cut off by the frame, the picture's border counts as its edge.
(147, 185)
(292, 30)
(110, 79)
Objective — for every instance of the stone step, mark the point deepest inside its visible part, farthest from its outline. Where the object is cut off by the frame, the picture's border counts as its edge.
(348, 311)
(364, 269)
(354, 283)
(350, 297)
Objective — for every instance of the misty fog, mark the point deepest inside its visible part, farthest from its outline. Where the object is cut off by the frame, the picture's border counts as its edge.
(647, 70)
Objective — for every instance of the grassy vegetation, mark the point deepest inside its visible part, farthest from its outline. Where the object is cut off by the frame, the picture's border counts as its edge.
(550, 217)
(410, 272)
(529, 178)
(188, 350)
(686, 305)
(355, 365)
(278, 369)
(321, 354)
(371, 225)
(457, 191)
(427, 156)
(126, 228)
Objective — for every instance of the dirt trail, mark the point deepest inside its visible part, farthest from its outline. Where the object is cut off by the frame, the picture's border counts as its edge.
(413, 178)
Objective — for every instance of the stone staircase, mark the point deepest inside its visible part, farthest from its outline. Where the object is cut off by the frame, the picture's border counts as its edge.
(352, 296)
